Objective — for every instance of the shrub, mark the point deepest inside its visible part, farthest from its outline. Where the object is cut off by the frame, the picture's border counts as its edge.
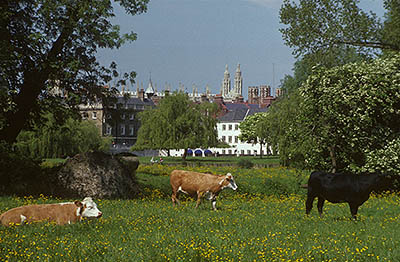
(245, 163)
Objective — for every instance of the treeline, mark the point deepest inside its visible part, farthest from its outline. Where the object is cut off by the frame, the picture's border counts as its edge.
(341, 108)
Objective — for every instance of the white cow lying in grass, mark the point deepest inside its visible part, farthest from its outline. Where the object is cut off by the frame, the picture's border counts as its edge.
(61, 213)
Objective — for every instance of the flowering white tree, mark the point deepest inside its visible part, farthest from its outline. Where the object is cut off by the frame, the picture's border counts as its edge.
(352, 113)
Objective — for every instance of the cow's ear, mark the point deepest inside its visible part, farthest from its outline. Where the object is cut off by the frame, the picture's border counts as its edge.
(78, 203)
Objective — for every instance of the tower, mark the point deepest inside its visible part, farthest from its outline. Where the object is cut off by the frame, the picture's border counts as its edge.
(226, 83)
(238, 87)
(253, 95)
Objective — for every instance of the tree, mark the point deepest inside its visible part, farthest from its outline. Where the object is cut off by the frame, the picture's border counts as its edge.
(53, 43)
(178, 123)
(52, 140)
(254, 129)
(352, 114)
(323, 25)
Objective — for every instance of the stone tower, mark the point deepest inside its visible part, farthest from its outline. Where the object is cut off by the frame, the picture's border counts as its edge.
(226, 83)
(253, 95)
(238, 87)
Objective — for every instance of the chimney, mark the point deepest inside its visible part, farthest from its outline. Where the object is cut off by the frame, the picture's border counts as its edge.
(141, 94)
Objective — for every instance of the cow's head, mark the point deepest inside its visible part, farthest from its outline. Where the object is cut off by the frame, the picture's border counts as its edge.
(228, 181)
(88, 208)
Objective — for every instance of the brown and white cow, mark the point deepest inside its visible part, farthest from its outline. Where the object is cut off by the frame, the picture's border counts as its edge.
(61, 213)
(200, 184)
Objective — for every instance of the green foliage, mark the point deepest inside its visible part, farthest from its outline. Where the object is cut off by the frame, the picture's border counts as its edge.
(51, 140)
(318, 25)
(352, 112)
(35, 35)
(177, 123)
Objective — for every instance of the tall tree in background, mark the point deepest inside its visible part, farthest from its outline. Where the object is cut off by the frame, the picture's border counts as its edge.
(327, 33)
(53, 43)
(317, 25)
(178, 123)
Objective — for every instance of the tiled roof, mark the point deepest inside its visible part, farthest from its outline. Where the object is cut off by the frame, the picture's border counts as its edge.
(238, 111)
(135, 101)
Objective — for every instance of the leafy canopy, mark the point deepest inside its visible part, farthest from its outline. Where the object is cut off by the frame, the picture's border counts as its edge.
(53, 43)
(352, 114)
(178, 123)
(317, 25)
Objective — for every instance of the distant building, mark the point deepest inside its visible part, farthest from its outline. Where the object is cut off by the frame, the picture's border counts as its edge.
(229, 131)
(260, 95)
(228, 93)
(121, 120)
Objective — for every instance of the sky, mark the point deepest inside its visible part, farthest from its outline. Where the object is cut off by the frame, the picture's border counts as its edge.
(190, 42)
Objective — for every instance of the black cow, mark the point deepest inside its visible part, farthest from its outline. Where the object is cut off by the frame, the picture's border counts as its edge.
(343, 187)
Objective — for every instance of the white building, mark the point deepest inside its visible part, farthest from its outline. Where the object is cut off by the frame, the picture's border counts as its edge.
(229, 131)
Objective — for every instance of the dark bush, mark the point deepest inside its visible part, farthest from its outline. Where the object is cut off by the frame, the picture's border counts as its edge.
(19, 175)
(245, 163)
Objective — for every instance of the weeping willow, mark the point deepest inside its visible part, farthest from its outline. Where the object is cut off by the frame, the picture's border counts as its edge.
(51, 140)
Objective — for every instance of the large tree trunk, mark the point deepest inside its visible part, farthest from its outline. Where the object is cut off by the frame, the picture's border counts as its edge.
(24, 102)
(35, 77)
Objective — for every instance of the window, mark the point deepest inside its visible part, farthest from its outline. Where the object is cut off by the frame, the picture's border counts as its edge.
(94, 115)
(236, 139)
(223, 151)
(230, 139)
(223, 127)
(223, 138)
(108, 130)
(248, 152)
(236, 127)
(122, 129)
(131, 130)
(230, 127)
(85, 115)
(123, 116)
(230, 152)
(132, 116)
(242, 152)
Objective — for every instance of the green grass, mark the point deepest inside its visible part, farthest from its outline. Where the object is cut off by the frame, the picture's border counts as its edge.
(252, 224)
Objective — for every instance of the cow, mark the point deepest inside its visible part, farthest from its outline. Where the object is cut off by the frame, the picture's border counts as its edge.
(200, 184)
(60, 213)
(343, 187)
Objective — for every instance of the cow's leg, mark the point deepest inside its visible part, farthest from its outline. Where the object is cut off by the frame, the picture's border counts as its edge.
(309, 203)
(353, 210)
(320, 205)
(174, 197)
(199, 195)
(214, 202)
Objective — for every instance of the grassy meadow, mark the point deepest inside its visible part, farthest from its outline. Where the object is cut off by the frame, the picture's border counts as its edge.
(263, 220)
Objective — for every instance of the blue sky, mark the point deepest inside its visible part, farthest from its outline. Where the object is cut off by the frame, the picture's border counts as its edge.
(191, 41)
